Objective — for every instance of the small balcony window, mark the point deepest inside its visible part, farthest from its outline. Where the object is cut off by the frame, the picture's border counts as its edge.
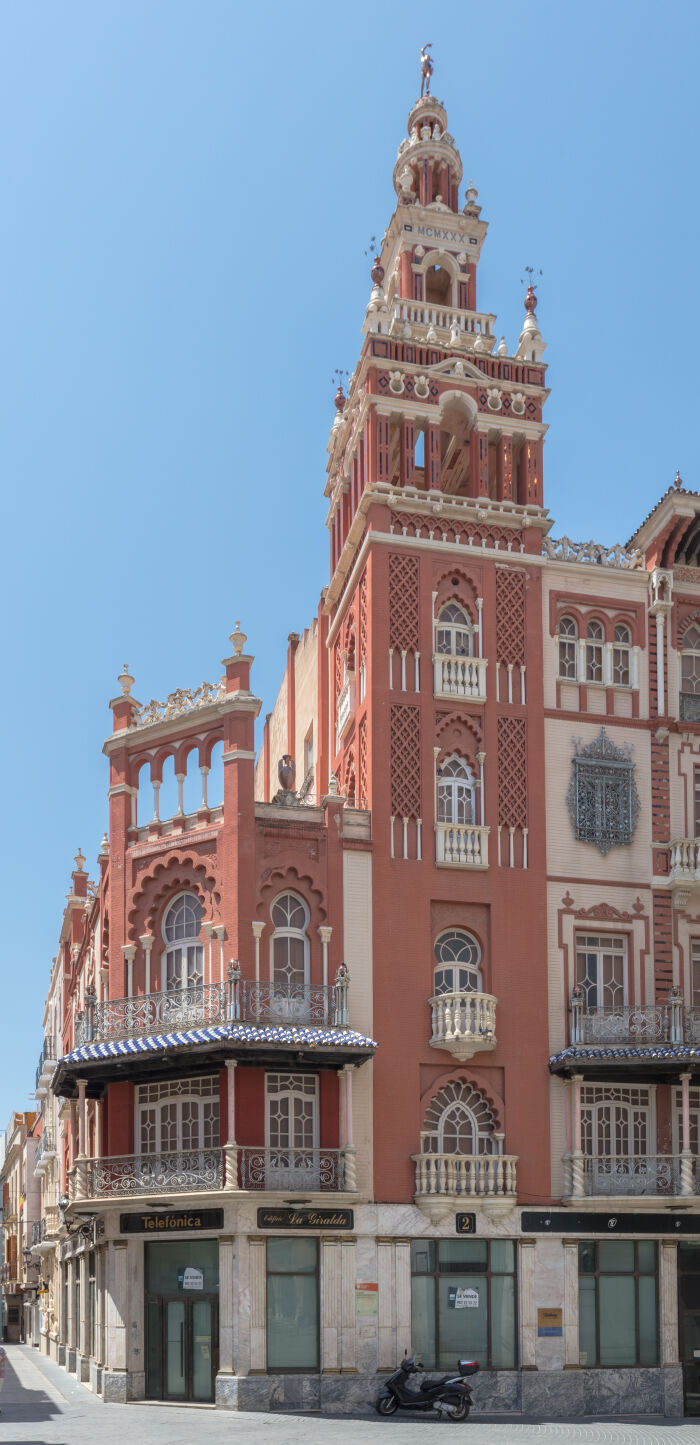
(184, 955)
(601, 971)
(621, 674)
(455, 792)
(454, 634)
(594, 651)
(690, 676)
(568, 643)
(457, 958)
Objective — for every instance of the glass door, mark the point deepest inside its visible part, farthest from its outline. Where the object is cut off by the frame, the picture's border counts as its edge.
(182, 1337)
(689, 1323)
(175, 1349)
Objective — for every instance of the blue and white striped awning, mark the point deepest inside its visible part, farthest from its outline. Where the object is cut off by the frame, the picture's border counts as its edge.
(580, 1053)
(304, 1037)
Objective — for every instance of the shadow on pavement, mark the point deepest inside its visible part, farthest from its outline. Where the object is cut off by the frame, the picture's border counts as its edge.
(20, 1404)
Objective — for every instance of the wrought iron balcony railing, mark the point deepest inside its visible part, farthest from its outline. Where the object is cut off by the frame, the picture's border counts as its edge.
(232, 1167)
(462, 845)
(38, 1231)
(171, 1010)
(132, 1174)
(649, 1023)
(297, 1170)
(463, 1023)
(636, 1175)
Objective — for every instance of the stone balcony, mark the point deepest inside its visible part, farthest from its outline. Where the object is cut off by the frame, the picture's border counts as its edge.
(461, 845)
(463, 1023)
(625, 1176)
(345, 710)
(232, 1168)
(460, 677)
(170, 1011)
(445, 1182)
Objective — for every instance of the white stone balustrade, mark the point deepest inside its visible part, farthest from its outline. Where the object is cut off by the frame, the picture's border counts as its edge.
(460, 676)
(685, 863)
(345, 710)
(462, 845)
(471, 324)
(463, 1023)
(444, 1179)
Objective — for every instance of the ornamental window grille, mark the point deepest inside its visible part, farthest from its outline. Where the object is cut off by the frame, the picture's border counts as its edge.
(457, 960)
(601, 970)
(568, 643)
(289, 947)
(455, 792)
(458, 1120)
(178, 1116)
(454, 634)
(594, 651)
(184, 959)
(622, 642)
(603, 801)
(616, 1123)
(690, 676)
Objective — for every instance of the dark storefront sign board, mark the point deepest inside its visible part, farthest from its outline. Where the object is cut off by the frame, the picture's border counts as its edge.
(542, 1221)
(171, 1221)
(306, 1219)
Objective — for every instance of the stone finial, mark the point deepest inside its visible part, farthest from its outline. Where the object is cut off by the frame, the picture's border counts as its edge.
(678, 482)
(238, 640)
(377, 272)
(502, 347)
(104, 845)
(472, 195)
(339, 398)
(531, 301)
(79, 861)
(125, 680)
(333, 785)
(286, 772)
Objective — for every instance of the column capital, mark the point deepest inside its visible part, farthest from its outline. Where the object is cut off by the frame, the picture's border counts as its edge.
(147, 940)
(258, 928)
(325, 932)
(129, 951)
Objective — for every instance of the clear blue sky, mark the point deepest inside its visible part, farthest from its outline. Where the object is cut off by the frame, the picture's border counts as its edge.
(188, 190)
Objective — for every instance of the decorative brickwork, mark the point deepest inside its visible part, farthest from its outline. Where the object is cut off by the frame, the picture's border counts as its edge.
(512, 772)
(660, 792)
(510, 615)
(362, 652)
(505, 539)
(403, 602)
(663, 952)
(338, 667)
(405, 761)
(362, 757)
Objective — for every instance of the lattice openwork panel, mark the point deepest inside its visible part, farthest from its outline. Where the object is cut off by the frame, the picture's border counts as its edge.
(403, 602)
(362, 764)
(405, 761)
(510, 615)
(512, 772)
(363, 615)
(338, 667)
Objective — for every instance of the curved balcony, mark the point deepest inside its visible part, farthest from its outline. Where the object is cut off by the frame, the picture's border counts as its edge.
(463, 1023)
(448, 1181)
(230, 1167)
(461, 845)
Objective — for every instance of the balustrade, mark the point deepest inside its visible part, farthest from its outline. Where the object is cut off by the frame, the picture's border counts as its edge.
(442, 318)
(632, 1174)
(456, 676)
(685, 862)
(132, 1174)
(231, 1168)
(463, 1023)
(467, 1176)
(295, 1170)
(345, 710)
(462, 845)
(170, 1011)
(643, 1024)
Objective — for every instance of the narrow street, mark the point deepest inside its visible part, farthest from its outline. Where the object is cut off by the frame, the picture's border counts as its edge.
(41, 1405)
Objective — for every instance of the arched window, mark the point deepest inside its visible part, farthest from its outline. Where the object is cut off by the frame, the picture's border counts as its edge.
(289, 948)
(458, 1120)
(182, 925)
(455, 792)
(615, 1131)
(690, 675)
(621, 655)
(438, 285)
(457, 959)
(594, 651)
(454, 634)
(568, 635)
(179, 1116)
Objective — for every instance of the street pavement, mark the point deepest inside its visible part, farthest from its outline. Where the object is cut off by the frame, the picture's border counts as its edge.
(42, 1405)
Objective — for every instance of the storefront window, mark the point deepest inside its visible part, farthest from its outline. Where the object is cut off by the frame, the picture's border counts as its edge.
(463, 1302)
(292, 1304)
(617, 1303)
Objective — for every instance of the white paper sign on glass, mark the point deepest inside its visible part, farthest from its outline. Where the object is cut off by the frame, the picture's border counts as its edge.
(463, 1299)
(193, 1278)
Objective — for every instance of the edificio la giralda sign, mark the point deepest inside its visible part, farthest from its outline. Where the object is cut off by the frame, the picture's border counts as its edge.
(171, 1221)
(305, 1219)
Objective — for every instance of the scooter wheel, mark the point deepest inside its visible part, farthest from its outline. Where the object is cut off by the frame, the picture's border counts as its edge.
(387, 1405)
(460, 1410)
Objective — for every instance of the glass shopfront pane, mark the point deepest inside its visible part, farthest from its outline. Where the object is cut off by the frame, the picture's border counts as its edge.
(462, 1319)
(292, 1321)
(616, 1308)
(586, 1320)
(502, 1256)
(175, 1349)
(616, 1256)
(648, 1332)
(423, 1256)
(462, 1254)
(423, 1320)
(154, 1357)
(503, 1323)
(202, 1344)
(646, 1256)
(291, 1256)
(167, 1261)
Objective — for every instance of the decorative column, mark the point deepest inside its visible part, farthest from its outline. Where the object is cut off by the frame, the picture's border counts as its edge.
(504, 475)
(258, 929)
(325, 934)
(230, 1147)
(219, 932)
(577, 1156)
(114, 1379)
(386, 1343)
(660, 681)
(481, 759)
(528, 1320)
(432, 457)
(83, 1358)
(668, 1290)
(129, 951)
(408, 452)
(330, 1305)
(403, 1297)
(258, 1312)
(147, 941)
(346, 1250)
(80, 1170)
(571, 1339)
(208, 929)
(686, 1156)
(225, 1394)
(204, 805)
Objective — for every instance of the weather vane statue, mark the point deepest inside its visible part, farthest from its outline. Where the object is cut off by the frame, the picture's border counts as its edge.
(426, 70)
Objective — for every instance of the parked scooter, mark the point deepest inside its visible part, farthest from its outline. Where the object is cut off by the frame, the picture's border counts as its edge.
(450, 1397)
